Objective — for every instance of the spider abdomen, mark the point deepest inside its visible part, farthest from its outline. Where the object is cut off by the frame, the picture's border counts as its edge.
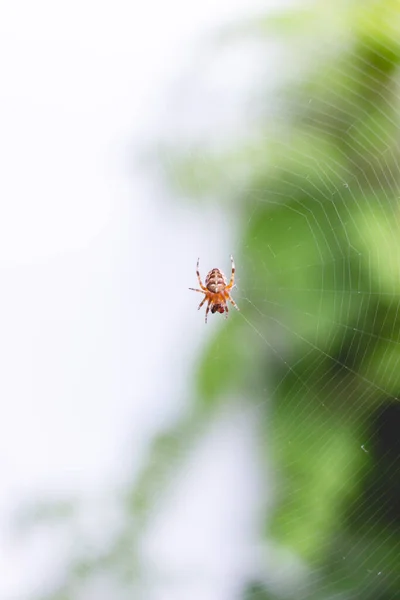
(215, 281)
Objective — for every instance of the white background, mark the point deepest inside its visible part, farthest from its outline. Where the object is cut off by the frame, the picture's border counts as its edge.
(98, 329)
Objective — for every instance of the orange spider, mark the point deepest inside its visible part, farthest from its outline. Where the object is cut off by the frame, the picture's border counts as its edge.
(216, 291)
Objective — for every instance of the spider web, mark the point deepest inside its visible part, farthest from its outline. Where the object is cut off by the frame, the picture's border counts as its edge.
(317, 283)
(312, 358)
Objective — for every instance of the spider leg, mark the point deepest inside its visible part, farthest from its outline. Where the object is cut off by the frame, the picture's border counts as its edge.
(202, 302)
(207, 310)
(198, 275)
(232, 281)
(226, 311)
(195, 290)
(233, 302)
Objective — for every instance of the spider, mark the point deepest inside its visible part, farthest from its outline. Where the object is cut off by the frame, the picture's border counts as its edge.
(216, 291)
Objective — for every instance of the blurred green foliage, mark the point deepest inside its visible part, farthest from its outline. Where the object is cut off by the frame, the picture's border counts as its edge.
(316, 346)
(320, 273)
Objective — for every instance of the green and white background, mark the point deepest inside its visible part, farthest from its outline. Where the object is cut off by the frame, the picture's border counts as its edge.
(142, 453)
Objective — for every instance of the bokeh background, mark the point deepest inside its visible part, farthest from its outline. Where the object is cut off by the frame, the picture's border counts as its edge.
(143, 453)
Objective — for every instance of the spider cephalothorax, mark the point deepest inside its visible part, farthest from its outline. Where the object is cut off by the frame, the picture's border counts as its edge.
(216, 291)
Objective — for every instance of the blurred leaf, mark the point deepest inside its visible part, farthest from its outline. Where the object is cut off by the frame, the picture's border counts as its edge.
(374, 231)
(45, 512)
(318, 467)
